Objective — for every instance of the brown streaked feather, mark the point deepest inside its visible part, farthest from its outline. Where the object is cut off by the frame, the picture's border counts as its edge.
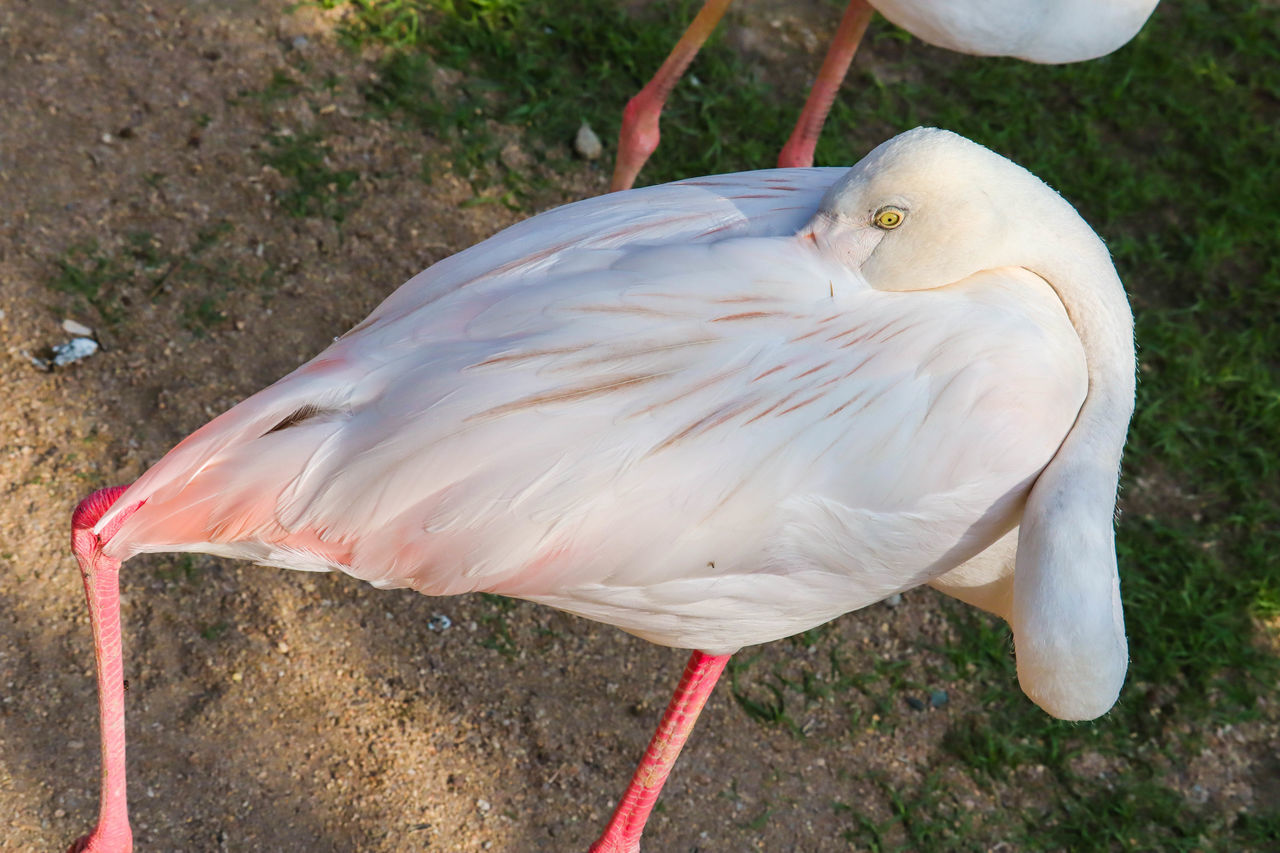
(705, 424)
(297, 416)
(566, 395)
(718, 378)
(745, 315)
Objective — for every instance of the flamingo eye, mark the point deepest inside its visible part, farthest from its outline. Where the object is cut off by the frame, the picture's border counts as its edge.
(888, 218)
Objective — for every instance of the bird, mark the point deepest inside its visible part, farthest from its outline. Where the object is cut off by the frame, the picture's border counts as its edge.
(1042, 31)
(712, 413)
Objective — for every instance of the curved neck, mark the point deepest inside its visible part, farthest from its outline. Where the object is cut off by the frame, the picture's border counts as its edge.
(1067, 620)
(1078, 267)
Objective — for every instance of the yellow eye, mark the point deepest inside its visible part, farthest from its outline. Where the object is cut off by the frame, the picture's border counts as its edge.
(888, 218)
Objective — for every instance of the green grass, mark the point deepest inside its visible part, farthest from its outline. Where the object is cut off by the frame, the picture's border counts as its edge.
(926, 816)
(182, 569)
(500, 638)
(95, 280)
(1169, 148)
(541, 68)
(315, 188)
(214, 630)
(196, 278)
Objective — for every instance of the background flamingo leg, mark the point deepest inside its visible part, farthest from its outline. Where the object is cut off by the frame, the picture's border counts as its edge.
(622, 835)
(639, 135)
(798, 152)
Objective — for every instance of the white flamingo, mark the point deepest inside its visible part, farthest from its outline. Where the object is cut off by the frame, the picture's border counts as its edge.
(1045, 31)
(713, 413)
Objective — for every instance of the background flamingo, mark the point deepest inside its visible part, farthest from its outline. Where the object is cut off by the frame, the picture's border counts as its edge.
(1047, 31)
(713, 413)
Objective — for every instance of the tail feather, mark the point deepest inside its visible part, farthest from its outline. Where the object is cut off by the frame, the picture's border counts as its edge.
(222, 496)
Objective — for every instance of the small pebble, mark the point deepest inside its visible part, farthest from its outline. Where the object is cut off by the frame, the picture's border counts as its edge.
(515, 158)
(587, 144)
(893, 600)
(80, 330)
(483, 805)
(74, 350)
(938, 698)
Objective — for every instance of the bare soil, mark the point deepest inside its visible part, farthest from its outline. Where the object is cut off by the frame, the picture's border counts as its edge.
(272, 711)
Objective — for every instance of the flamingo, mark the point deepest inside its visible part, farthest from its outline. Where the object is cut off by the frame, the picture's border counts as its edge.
(1043, 31)
(712, 413)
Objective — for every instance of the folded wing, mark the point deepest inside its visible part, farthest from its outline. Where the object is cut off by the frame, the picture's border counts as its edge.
(680, 418)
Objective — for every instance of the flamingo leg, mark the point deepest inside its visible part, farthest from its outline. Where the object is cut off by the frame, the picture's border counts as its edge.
(639, 135)
(101, 576)
(798, 152)
(622, 835)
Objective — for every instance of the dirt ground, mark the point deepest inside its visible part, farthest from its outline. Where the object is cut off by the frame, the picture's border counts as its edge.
(272, 711)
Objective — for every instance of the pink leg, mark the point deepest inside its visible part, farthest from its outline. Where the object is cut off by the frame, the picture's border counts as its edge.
(639, 135)
(101, 577)
(622, 835)
(804, 139)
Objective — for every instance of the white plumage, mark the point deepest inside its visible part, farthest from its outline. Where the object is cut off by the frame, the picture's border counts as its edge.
(1047, 31)
(712, 413)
